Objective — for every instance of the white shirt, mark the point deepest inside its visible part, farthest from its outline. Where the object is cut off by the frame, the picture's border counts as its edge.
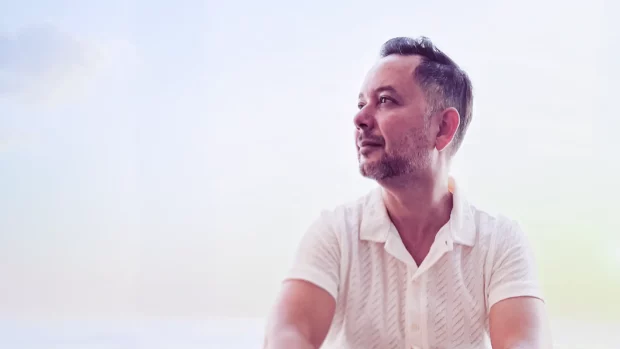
(384, 300)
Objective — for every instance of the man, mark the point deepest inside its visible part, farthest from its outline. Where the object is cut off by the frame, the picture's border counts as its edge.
(412, 264)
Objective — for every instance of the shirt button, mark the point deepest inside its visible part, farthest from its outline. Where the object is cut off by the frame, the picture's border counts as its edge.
(415, 327)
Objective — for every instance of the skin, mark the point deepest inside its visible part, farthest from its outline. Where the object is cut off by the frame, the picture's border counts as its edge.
(404, 145)
(410, 161)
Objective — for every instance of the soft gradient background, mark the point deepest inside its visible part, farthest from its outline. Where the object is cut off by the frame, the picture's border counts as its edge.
(162, 160)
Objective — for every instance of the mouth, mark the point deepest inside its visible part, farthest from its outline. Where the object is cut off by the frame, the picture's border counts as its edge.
(366, 147)
(368, 144)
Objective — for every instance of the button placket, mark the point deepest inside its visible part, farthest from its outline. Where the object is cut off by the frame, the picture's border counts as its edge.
(409, 306)
(423, 305)
(415, 312)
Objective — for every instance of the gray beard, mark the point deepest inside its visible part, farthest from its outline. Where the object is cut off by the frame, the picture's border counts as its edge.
(410, 158)
(388, 167)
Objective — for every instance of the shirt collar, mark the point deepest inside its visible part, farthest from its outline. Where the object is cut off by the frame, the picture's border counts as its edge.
(375, 224)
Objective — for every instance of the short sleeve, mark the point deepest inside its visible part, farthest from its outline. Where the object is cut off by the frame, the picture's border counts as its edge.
(317, 259)
(513, 268)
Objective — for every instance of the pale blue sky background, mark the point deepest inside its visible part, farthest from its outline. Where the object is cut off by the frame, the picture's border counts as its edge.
(165, 159)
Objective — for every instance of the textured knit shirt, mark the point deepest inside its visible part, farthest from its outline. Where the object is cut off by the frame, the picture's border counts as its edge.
(385, 301)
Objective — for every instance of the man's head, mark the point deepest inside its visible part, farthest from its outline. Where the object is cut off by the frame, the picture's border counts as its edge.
(414, 108)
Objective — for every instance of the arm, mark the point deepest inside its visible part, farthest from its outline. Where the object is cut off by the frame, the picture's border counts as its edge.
(301, 317)
(517, 315)
(303, 313)
(519, 323)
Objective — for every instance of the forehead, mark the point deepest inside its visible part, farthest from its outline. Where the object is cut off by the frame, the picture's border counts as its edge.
(394, 70)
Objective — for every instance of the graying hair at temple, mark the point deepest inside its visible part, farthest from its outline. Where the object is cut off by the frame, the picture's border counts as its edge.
(444, 83)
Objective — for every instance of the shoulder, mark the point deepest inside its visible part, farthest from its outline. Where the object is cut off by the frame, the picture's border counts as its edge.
(496, 229)
(509, 263)
(345, 220)
(499, 234)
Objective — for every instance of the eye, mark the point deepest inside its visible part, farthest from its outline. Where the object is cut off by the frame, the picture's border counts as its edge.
(384, 99)
(360, 105)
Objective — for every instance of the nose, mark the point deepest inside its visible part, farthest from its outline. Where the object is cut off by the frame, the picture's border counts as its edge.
(364, 119)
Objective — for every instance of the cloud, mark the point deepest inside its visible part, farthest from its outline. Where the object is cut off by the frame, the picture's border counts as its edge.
(44, 63)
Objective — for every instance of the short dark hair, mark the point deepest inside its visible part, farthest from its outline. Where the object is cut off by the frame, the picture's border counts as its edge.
(444, 83)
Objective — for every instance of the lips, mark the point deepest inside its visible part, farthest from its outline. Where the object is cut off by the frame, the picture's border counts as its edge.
(366, 147)
(368, 143)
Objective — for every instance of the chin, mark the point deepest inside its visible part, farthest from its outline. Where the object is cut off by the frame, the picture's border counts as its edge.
(366, 163)
(369, 169)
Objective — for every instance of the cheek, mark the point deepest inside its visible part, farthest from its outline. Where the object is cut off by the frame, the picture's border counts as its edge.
(394, 131)
(406, 138)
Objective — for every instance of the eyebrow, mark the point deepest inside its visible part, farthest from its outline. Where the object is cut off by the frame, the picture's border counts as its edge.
(388, 88)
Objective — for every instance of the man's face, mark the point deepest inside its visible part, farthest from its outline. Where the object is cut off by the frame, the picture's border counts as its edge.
(393, 132)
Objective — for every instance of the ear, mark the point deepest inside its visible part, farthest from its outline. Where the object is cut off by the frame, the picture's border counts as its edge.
(449, 121)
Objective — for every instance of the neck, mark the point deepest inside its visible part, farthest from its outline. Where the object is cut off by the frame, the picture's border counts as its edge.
(420, 207)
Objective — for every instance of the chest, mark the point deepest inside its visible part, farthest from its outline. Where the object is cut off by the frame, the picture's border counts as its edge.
(387, 304)
(418, 251)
